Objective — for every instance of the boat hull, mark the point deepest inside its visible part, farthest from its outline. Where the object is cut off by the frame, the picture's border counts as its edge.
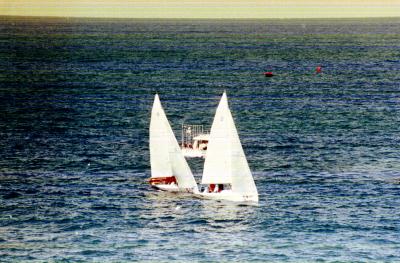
(193, 153)
(228, 195)
(173, 188)
(166, 187)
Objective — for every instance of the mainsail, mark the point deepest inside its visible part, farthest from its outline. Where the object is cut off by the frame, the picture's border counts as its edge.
(166, 157)
(225, 160)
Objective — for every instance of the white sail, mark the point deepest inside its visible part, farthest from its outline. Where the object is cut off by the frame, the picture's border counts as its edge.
(225, 160)
(217, 165)
(166, 157)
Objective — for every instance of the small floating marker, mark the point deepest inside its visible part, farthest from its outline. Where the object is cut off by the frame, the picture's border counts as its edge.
(88, 164)
(268, 74)
(177, 208)
(318, 69)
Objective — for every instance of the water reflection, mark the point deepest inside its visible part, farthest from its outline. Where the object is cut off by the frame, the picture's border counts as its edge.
(171, 220)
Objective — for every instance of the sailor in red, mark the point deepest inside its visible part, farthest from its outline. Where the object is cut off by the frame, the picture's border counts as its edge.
(211, 188)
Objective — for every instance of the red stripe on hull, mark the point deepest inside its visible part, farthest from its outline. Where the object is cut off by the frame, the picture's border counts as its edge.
(163, 180)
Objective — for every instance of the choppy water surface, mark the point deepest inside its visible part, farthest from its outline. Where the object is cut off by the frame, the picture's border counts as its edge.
(75, 99)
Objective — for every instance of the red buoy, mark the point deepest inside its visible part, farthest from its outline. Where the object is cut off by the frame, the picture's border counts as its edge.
(318, 69)
(268, 74)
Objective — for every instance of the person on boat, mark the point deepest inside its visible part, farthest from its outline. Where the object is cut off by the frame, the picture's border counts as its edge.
(202, 146)
(211, 188)
(172, 181)
(220, 187)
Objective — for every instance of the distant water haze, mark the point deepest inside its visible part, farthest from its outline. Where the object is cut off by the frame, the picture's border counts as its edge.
(203, 9)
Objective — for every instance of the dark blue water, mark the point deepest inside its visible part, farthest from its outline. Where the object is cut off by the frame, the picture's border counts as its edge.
(75, 100)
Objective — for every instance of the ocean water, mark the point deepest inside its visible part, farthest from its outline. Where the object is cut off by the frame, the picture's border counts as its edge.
(75, 100)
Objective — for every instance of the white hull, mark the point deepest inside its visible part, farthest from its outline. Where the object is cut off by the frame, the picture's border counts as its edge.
(193, 153)
(166, 187)
(173, 188)
(228, 195)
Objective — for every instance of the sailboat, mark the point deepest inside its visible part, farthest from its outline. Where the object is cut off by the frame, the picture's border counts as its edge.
(169, 169)
(226, 172)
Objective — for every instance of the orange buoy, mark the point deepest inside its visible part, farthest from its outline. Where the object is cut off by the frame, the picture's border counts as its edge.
(268, 74)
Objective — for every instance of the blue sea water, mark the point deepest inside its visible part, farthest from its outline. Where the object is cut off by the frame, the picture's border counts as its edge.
(75, 100)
